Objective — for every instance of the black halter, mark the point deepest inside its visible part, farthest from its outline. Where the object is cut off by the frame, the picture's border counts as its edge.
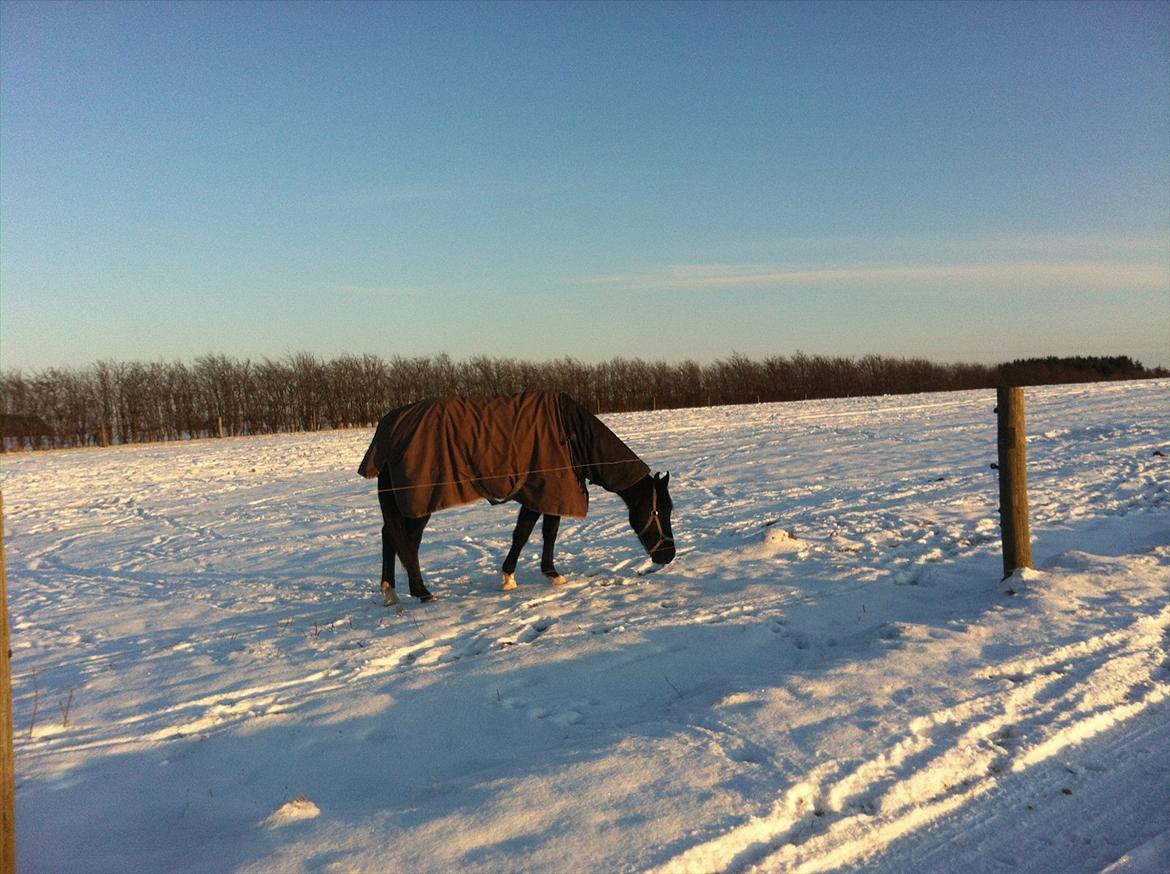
(656, 521)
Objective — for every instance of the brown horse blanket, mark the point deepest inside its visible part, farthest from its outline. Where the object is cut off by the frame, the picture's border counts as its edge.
(442, 453)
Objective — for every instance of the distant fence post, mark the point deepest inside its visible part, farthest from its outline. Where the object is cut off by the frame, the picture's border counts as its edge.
(7, 760)
(1013, 480)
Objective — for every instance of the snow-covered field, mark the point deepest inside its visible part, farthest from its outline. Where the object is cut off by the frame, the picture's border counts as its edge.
(831, 674)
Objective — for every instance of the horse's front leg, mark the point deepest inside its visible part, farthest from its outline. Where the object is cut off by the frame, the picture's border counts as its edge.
(549, 529)
(524, 525)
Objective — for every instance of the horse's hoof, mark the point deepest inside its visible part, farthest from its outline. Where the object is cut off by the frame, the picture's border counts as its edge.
(426, 597)
(509, 583)
(389, 596)
(557, 579)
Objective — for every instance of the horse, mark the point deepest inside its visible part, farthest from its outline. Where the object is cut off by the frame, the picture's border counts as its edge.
(538, 448)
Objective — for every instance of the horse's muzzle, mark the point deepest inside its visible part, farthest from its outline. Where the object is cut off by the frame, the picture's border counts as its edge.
(664, 555)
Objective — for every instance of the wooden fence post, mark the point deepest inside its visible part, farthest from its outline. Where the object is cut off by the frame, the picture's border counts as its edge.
(7, 760)
(1013, 480)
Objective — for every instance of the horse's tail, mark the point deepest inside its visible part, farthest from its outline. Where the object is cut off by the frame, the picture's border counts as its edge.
(370, 466)
(377, 456)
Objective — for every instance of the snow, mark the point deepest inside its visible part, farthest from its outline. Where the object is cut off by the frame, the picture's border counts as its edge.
(830, 675)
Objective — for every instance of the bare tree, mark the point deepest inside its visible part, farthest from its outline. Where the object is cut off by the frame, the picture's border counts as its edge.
(112, 401)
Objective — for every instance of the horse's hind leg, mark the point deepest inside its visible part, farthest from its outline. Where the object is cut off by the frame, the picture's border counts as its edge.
(524, 525)
(412, 536)
(400, 538)
(548, 530)
(390, 532)
(389, 551)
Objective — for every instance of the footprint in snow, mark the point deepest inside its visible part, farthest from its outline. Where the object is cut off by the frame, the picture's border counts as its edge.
(528, 632)
(564, 715)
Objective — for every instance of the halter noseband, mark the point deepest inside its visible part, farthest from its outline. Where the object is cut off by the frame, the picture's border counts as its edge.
(655, 520)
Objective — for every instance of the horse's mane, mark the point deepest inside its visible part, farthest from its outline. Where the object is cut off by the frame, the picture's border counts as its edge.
(599, 455)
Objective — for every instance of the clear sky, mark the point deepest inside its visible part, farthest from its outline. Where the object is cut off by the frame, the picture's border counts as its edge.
(965, 182)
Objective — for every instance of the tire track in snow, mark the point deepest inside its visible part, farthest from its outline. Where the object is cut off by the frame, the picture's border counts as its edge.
(947, 759)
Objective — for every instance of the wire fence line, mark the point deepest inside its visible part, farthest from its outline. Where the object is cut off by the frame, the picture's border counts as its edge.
(215, 395)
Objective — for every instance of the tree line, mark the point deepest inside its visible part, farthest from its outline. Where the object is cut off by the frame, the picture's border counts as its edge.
(217, 395)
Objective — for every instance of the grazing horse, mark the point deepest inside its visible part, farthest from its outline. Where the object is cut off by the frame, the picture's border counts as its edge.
(537, 448)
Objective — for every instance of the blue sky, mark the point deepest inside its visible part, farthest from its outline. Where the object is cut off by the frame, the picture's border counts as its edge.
(965, 182)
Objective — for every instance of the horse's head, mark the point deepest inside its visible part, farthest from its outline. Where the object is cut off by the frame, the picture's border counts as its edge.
(650, 510)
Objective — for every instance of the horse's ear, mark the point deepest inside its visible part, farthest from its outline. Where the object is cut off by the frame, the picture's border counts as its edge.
(666, 478)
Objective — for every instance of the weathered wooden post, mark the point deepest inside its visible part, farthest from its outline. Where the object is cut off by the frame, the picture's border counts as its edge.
(7, 760)
(1013, 480)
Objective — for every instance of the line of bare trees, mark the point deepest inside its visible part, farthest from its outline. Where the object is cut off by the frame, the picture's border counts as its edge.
(216, 395)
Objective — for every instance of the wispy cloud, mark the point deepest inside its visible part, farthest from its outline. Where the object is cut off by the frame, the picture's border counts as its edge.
(1001, 247)
(1022, 275)
(1068, 246)
(379, 290)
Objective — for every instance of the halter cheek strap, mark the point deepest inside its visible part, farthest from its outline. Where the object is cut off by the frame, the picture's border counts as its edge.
(656, 521)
